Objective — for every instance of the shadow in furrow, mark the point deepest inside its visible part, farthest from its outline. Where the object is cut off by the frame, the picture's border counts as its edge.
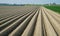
(51, 23)
(23, 26)
(10, 22)
(9, 30)
(43, 26)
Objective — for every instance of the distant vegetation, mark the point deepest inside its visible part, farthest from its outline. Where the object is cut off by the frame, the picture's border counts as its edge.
(54, 8)
(2, 4)
(12, 4)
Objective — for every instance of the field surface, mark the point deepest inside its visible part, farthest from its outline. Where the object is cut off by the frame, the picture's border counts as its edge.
(28, 21)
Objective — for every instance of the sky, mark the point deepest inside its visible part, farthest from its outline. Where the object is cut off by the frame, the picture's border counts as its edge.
(29, 1)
